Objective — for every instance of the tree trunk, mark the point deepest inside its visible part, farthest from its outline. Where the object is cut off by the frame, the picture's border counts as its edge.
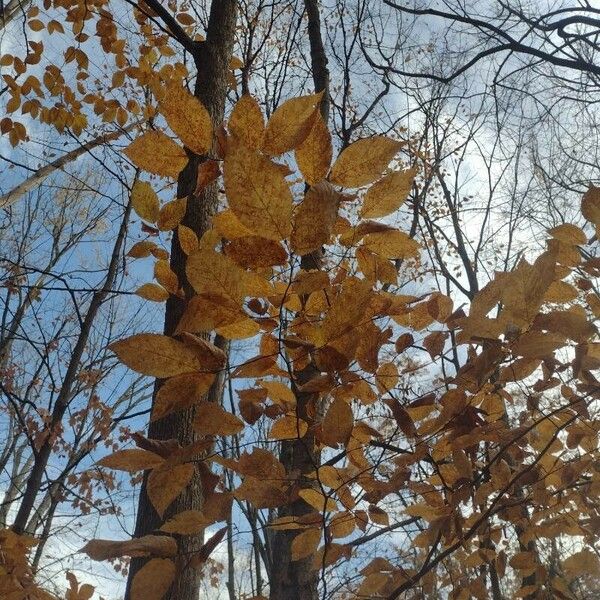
(212, 59)
(299, 579)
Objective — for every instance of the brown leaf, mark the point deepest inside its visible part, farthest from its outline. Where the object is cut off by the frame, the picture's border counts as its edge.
(305, 543)
(131, 460)
(337, 424)
(148, 545)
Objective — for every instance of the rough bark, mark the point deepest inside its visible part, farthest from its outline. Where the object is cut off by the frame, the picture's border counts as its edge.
(212, 61)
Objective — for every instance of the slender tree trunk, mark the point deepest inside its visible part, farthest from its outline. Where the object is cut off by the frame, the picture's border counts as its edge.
(291, 580)
(42, 455)
(212, 59)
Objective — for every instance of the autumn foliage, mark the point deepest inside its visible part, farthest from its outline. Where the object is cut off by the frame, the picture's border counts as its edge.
(302, 262)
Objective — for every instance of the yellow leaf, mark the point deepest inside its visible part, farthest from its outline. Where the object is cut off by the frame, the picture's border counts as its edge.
(180, 392)
(153, 580)
(148, 545)
(313, 155)
(258, 193)
(305, 543)
(152, 292)
(166, 483)
(156, 355)
(337, 423)
(391, 244)
(132, 460)
(141, 249)
(288, 427)
(165, 276)
(171, 213)
(388, 194)
(188, 240)
(314, 218)
(247, 123)
(145, 201)
(291, 123)
(535, 344)
(364, 161)
(317, 500)
(157, 153)
(188, 118)
(279, 393)
(211, 419)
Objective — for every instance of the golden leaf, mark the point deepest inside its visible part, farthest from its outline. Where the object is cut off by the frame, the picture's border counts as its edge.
(388, 194)
(148, 545)
(337, 424)
(153, 580)
(188, 118)
(391, 244)
(157, 153)
(364, 161)
(166, 483)
(342, 525)
(317, 500)
(131, 460)
(258, 193)
(145, 201)
(314, 154)
(180, 392)
(314, 218)
(386, 377)
(279, 393)
(305, 543)
(156, 355)
(247, 123)
(291, 123)
(211, 419)
(569, 234)
(171, 214)
(188, 240)
(152, 292)
(288, 427)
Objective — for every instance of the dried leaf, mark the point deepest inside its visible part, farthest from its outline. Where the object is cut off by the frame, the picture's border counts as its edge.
(152, 292)
(305, 543)
(180, 392)
(247, 123)
(148, 545)
(337, 424)
(131, 460)
(211, 419)
(166, 483)
(287, 428)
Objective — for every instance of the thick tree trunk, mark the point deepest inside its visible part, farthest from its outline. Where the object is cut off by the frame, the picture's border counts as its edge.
(291, 580)
(212, 59)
